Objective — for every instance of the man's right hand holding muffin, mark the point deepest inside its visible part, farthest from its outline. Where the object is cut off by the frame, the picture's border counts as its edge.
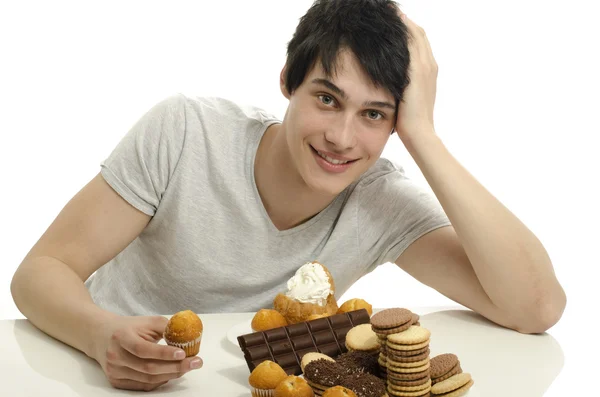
(128, 351)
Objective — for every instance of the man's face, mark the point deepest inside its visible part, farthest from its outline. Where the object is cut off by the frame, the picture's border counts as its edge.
(337, 127)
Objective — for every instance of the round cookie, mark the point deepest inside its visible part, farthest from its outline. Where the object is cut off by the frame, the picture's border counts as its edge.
(458, 392)
(422, 386)
(407, 353)
(312, 356)
(365, 384)
(420, 393)
(407, 376)
(416, 346)
(451, 384)
(381, 333)
(442, 364)
(390, 318)
(358, 361)
(407, 370)
(362, 338)
(322, 372)
(317, 388)
(408, 359)
(395, 364)
(456, 370)
(414, 382)
(411, 336)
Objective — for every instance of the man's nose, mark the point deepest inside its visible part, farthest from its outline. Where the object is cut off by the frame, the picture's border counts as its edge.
(341, 134)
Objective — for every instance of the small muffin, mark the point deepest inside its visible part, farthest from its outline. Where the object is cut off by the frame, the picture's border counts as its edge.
(294, 386)
(265, 378)
(266, 319)
(355, 304)
(184, 330)
(338, 391)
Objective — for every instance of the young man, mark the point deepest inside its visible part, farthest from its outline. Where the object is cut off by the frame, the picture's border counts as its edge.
(208, 206)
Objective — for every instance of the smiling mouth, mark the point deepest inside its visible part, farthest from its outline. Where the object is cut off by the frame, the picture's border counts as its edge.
(331, 160)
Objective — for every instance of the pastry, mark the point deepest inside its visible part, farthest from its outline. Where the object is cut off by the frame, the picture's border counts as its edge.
(310, 291)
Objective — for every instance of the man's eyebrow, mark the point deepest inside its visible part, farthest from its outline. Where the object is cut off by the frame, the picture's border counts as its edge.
(342, 93)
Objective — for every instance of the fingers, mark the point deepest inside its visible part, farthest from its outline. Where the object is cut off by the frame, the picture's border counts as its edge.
(125, 373)
(142, 348)
(151, 366)
(127, 384)
(154, 327)
(420, 45)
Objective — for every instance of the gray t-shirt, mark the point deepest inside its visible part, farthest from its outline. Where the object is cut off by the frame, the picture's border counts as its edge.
(210, 245)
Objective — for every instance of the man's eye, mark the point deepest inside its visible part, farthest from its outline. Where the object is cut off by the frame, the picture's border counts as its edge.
(326, 99)
(374, 115)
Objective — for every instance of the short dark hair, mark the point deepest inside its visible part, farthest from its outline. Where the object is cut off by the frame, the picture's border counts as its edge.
(371, 29)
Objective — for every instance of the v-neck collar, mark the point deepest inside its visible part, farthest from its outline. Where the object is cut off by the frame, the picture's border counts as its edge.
(250, 161)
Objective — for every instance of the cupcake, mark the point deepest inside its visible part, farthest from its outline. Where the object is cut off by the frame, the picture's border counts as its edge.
(310, 291)
(338, 391)
(356, 304)
(184, 330)
(265, 378)
(293, 386)
(266, 319)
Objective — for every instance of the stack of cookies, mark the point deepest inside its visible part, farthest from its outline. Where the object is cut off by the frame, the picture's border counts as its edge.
(407, 362)
(388, 322)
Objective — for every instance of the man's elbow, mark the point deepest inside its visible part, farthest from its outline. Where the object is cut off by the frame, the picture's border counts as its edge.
(544, 314)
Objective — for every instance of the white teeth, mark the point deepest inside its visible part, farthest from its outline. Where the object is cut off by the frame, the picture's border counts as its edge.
(332, 161)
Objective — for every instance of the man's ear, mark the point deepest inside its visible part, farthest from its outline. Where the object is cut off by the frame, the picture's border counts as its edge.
(282, 86)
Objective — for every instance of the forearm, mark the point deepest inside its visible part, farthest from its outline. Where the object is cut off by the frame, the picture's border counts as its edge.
(55, 300)
(510, 262)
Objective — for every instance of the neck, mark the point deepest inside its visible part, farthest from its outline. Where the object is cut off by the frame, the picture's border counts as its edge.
(288, 200)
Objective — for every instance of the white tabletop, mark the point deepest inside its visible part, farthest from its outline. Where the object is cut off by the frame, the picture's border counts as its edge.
(502, 362)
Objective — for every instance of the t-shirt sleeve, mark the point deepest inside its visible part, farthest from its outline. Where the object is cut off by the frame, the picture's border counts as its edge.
(394, 211)
(141, 165)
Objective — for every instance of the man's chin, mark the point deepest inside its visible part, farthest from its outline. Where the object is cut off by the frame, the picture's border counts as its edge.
(329, 186)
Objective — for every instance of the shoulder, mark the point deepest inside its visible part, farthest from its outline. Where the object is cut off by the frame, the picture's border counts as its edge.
(386, 186)
(382, 173)
(223, 111)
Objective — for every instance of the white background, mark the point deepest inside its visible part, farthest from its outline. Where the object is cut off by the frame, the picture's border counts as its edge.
(517, 93)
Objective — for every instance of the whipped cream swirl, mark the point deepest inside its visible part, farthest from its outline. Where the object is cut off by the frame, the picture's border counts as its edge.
(310, 284)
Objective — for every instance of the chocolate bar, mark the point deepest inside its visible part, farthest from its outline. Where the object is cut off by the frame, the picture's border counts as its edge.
(286, 345)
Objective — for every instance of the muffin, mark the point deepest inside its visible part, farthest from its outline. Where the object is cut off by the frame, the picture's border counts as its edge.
(293, 386)
(265, 378)
(266, 319)
(310, 291)
(356, 304)
(184, 330)
(338, 391)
